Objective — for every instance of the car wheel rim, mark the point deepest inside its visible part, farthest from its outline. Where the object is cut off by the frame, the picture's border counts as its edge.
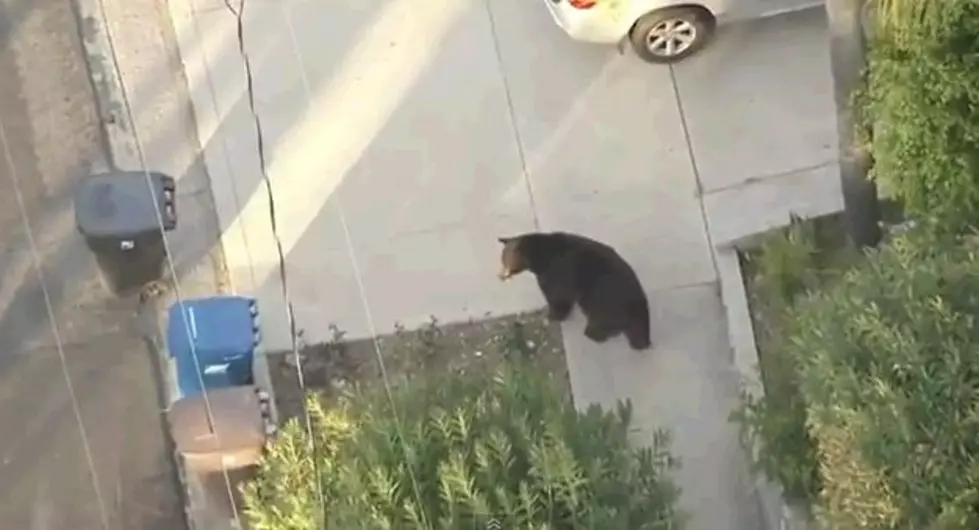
(671, 37)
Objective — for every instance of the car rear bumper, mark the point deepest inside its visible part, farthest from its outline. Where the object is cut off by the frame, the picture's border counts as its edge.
(587, 25)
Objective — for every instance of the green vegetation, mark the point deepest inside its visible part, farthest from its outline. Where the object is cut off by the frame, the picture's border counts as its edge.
(871, 410)
(887, 363)
(871, 363)
(921, 107)
(457, 450)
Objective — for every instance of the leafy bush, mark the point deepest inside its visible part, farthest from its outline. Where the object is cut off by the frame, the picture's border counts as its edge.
(787, 264)
(888, 362)
(921, 107)
(463, 450)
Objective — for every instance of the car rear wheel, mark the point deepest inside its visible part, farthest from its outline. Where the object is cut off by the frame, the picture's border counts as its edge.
(671, 34)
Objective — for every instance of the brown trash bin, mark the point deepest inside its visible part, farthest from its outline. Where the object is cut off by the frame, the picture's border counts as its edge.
(239, 430)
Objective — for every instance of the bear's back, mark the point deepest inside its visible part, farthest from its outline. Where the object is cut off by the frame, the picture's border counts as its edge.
(596, 264)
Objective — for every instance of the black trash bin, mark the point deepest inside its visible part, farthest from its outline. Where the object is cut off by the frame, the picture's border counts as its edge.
(117, 214)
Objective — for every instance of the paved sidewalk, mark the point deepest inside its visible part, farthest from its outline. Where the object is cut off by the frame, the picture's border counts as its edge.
(406, 125)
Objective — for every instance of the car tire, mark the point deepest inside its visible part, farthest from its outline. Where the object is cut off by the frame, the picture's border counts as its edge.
(686, 29)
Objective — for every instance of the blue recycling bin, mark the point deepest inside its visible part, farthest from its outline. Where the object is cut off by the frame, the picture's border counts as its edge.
(223, 331)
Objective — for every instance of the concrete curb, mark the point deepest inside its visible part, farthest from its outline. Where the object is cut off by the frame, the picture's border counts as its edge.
(741, 335)
(149, 74)
(777, 513)
(737, 214)
(205, 275)
(806, 193)
(105, 75)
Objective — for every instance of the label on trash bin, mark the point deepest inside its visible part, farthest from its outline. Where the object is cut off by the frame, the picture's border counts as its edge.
(217, 369)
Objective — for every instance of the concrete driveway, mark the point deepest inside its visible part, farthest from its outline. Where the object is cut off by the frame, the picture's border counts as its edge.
(404, 139)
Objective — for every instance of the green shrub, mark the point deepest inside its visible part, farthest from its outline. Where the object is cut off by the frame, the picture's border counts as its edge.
(921, 107)
(888, 362)
(463, 450)
(785, 264)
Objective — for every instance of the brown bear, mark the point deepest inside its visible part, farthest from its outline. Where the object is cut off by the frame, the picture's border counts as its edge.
(574, 269)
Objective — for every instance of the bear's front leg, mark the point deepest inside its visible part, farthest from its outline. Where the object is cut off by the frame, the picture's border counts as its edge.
(559, 310)
(560, 301)
(597, 332)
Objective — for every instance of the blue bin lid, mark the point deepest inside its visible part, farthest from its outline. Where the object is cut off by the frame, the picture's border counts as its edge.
(221, 327)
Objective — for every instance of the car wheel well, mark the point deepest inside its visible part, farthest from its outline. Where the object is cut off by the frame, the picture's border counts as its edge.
(708, 15)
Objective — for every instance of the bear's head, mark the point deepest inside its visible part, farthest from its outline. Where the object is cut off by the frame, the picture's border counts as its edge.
(533, 251)
(512, 260)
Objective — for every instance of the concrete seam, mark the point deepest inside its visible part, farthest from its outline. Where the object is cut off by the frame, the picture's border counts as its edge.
(512, 115)
(696, 173)
(760, 179)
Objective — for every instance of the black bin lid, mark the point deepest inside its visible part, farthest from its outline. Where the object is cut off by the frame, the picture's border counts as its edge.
(119, 203)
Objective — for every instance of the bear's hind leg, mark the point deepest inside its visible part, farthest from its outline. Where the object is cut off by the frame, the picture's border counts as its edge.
(638, 336)
(598, 331)
(559, 310)
(637, 326)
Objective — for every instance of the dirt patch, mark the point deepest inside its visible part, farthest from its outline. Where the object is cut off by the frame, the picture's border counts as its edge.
(431, 350)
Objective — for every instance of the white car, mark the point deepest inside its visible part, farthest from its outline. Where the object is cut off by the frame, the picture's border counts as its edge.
(660, 31)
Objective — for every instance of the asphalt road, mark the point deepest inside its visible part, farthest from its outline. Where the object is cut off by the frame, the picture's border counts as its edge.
(49, 120)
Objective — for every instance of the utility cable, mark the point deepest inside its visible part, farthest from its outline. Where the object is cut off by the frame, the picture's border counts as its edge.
(239, 18)
(273, 223)
(55, 330)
